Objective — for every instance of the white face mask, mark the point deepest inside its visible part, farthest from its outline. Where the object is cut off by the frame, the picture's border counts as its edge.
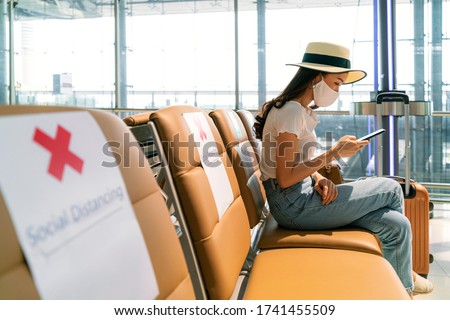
(324, 96)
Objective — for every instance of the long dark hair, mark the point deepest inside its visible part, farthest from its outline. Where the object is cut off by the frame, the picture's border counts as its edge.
(296, 87)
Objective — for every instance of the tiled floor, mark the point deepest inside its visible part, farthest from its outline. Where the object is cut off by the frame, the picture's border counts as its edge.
(440, 249)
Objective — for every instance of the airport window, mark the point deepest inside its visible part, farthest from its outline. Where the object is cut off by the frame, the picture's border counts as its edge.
(187, 57)
(63, 54)
(224, 54)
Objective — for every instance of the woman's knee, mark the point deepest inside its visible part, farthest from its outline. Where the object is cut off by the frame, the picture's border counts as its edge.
(404, 227)
(397, 229)
(395, 189)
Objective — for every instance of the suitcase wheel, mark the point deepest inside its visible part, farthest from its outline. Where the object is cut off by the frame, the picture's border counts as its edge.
(431, 258)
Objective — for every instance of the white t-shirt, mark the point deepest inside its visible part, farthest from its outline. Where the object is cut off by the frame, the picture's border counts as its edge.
(290, 118)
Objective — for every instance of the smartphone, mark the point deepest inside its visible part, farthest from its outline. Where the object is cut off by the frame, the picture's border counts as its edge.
(371, 135)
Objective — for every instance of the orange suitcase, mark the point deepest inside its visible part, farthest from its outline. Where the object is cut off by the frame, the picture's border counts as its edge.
(417, 206)
(417, 211)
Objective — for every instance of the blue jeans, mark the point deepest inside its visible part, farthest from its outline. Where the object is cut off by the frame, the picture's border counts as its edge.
(375, 204)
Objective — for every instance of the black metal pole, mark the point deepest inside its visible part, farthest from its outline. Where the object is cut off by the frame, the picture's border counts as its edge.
(385, 45)
(388, 81)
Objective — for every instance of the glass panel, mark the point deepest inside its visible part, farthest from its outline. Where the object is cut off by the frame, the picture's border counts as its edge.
(287, 41)
(248, 58)
(405, 48)
(446, 55)
(332, 127)
(423, 168)
(185, 56)
(62, 57)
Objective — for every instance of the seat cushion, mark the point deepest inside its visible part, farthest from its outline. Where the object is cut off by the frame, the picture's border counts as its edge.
(274, 236)
(324, 274)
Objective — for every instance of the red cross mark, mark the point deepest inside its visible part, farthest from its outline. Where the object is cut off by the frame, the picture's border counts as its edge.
(202, 132)
(59, 149)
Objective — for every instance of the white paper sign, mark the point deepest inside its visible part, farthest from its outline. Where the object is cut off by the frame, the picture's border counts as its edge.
(234, 121)
(211, 162)
(72, 214)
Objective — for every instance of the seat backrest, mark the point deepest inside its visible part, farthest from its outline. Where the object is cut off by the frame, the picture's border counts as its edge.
(245, 162)
(159, 241)
(209, 195)
(248, 120)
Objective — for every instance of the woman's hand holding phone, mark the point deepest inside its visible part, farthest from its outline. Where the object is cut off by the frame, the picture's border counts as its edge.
(348, 146)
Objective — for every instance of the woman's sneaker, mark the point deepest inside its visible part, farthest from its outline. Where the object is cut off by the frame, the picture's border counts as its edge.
(422, 285)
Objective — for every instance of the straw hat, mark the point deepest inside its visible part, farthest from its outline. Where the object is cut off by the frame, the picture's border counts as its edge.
(330, 58)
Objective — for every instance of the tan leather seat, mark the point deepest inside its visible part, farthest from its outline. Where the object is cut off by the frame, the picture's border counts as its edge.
(245, 162)
(234, 133)
(222, 243)
(162, 243)
(324, 274)
(248, 119)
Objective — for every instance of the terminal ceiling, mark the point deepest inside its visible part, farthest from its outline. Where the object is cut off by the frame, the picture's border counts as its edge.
(73, 9)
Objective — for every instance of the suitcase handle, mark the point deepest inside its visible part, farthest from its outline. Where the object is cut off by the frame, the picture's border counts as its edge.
(392, 94)
(404, 97)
